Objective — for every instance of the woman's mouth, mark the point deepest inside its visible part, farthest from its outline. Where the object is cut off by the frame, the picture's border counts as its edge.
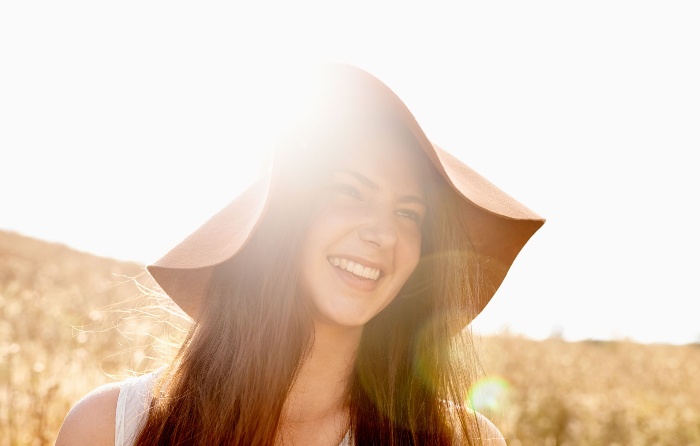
(366, 272)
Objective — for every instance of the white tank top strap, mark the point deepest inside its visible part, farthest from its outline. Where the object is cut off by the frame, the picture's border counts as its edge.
(346, 440)
(132, 407)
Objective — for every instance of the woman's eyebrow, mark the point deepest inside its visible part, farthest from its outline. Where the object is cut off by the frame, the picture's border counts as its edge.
(410, 199)
(372, 185)
(361, 178)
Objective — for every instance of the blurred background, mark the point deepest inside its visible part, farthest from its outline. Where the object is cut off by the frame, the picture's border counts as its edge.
(124, 126)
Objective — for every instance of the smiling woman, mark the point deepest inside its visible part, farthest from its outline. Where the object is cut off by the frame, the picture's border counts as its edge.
(328, 299)
(364, 240)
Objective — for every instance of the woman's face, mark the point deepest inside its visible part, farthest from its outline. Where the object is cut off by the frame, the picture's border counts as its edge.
(365, 239)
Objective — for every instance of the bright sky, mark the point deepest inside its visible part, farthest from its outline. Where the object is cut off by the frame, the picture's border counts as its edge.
(123, 125)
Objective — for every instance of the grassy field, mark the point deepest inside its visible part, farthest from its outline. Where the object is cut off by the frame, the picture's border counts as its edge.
(66, 327)
(595, 393)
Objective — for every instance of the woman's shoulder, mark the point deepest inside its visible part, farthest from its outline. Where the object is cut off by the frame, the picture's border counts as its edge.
(96, 418)
(91, 420)
(487, 432)
(490, 434)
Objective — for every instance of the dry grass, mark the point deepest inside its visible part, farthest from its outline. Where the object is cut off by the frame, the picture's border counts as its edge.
(63, 331)
(595, 393)
(65, 328)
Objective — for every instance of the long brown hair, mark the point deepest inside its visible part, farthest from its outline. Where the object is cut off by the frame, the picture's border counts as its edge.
(230, 379)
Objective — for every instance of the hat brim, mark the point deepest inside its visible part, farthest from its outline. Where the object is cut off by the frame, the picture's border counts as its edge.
(499, 226)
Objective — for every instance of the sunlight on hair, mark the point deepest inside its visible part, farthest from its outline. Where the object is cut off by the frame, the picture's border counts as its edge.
(147, 325)
(424, 364)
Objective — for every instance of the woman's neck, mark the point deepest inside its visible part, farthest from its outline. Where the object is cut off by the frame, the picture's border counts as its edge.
(317, 401)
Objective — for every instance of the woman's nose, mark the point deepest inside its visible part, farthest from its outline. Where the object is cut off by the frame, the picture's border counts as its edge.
(379, 229)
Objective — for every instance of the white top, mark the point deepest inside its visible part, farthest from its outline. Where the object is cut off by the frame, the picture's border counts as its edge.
(132, 408)
(135, 397)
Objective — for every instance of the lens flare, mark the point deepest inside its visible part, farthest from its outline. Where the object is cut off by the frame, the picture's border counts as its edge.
(488, 394)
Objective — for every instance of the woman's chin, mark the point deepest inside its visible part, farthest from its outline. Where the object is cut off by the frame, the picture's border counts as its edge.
(351, 320)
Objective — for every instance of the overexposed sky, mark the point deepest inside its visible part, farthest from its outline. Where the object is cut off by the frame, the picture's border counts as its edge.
(123, 125)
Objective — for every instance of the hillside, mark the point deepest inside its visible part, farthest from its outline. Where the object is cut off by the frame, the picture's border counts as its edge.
(63, 331)
(66, 327)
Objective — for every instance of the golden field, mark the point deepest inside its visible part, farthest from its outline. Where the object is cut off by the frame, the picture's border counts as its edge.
(68, 323)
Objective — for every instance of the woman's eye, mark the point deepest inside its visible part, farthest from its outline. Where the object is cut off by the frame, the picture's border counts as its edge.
(346, 189)
(411, 215)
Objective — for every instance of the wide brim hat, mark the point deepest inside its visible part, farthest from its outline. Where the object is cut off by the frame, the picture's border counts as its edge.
(498, 225)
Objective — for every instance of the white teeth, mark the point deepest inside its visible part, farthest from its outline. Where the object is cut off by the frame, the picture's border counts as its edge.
(370, 273)
(359, 270)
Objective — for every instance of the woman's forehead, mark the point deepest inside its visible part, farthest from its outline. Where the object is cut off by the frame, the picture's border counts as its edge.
(383, 157)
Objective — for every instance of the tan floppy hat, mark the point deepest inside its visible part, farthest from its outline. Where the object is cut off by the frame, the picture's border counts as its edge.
(499, 226)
